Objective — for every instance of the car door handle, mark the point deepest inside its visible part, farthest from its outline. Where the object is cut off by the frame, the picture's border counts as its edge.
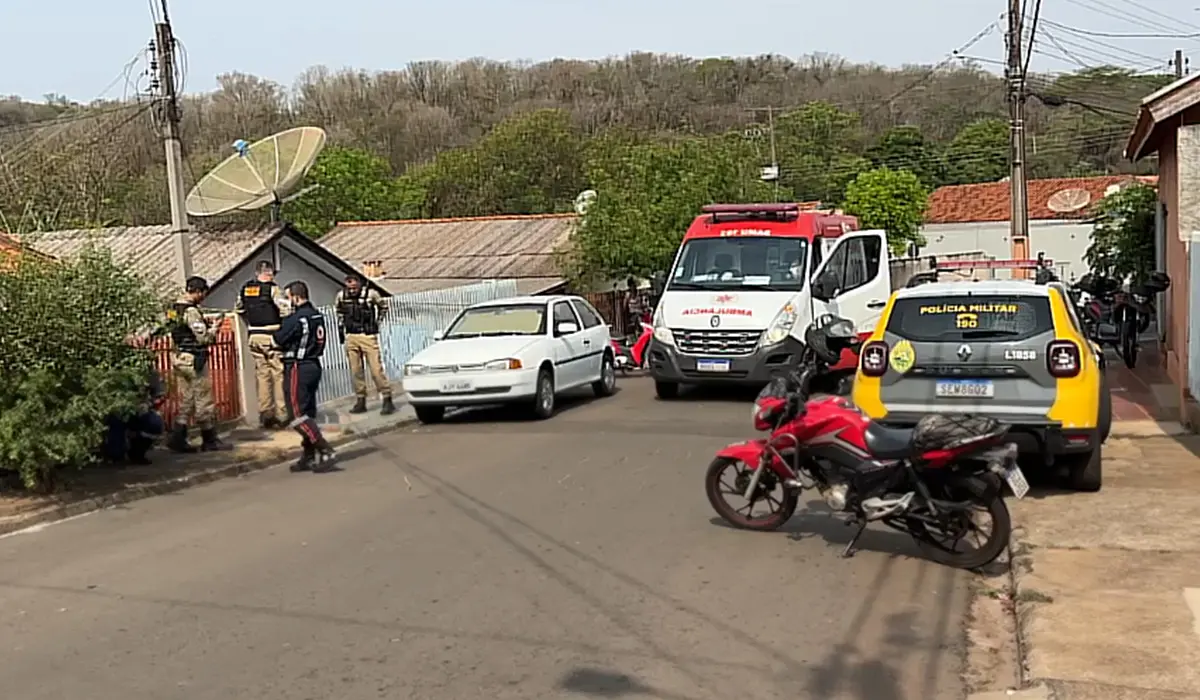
(587, 342)
(876, 304)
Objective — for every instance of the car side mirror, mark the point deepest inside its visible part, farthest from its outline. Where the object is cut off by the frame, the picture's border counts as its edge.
(825, 286)
(565, 328)
(438, 335)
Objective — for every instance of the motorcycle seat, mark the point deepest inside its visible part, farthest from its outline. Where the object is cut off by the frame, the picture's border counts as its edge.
(889, 443)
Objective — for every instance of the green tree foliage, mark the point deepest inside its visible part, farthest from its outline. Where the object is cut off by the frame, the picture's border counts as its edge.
(648, 194)
(351, 185)
(892, 200)
(63, 359)
(1122, 245)
(529, 164)
(819, 147)
(979, 153)
(905, 148)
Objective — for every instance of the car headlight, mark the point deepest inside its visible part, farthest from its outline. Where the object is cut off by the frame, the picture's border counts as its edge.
(661, 333)
(781, 326)
(507, 363)
(413, 370)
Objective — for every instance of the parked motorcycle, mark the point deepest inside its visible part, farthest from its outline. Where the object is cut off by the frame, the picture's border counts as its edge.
(632, 352)
(926, 482)
(1115, 317)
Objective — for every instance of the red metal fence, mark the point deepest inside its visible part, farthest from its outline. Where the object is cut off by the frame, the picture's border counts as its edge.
(609, 305)
(223, 366)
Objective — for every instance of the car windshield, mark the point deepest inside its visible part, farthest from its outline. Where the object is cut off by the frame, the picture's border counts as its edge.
(960, 318)
(765, 263)
(508, 319)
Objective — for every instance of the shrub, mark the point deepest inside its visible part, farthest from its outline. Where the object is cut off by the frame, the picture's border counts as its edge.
(64, 365)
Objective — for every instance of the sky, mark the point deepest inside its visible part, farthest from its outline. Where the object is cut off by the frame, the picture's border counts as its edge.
(78, 48)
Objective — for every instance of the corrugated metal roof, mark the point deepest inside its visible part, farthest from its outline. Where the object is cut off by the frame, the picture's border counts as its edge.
(425, 254)
(149, 251)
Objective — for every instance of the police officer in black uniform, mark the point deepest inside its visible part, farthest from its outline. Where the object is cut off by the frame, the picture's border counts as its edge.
(301, 337)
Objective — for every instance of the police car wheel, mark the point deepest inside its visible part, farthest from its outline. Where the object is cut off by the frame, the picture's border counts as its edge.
(1085, 471)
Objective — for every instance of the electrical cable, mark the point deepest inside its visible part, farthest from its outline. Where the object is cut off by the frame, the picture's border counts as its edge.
(1119, 35)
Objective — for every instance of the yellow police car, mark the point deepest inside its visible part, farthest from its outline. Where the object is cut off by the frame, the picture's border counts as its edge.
(1009, 349)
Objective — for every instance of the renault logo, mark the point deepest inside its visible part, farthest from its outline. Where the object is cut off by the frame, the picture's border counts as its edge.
(964, 352)
(714, 321)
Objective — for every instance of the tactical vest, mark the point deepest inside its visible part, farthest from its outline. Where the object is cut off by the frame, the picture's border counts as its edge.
(358, 313)
(258, 305)
(185, 339)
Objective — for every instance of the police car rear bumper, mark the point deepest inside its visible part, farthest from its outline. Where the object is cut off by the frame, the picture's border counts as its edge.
(668, 364)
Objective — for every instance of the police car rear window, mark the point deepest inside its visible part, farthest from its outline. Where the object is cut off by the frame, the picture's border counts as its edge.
(955, 319)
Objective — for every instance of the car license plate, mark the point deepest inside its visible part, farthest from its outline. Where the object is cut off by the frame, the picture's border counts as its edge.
(966, 389)
(712, 365)
(1016, 481)
(458, 386)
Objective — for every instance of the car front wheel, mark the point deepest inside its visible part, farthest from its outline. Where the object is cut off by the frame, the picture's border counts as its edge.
(543, 399)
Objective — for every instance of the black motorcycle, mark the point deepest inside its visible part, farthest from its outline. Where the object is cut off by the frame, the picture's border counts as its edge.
(1115, 317)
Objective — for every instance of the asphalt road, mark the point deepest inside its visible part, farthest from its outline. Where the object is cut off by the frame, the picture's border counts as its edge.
(486, 558)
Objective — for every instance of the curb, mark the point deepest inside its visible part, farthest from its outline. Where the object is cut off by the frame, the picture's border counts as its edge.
(257, 463)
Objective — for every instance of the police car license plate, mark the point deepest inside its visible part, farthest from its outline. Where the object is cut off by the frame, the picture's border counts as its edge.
(458, 386)
(966, 389)
(1015, 478)
(712, 365)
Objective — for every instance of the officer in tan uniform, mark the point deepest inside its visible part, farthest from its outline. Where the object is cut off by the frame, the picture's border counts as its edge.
(262, 307)
(360, 311)
(193, 334)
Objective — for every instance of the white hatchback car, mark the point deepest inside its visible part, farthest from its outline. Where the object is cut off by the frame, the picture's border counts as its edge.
(520, 350)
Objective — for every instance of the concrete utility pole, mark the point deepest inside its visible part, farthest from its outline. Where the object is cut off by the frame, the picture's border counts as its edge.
(169, 112)
(1015, 74)
(1180, 64)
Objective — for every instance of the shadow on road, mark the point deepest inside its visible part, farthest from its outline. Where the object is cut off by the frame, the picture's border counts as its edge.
(568, 401)
(610, 684)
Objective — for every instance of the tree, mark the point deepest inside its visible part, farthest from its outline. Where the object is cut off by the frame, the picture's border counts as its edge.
(64, 361)
(905, 148)
(891, 200)
(979, 153)
(819, 147)
(352, 185)
(1122, 245)
(648, 194)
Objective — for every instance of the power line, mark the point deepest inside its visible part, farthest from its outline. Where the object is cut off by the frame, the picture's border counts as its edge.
(1117, 13)
(1037, 11)
(1120, 35)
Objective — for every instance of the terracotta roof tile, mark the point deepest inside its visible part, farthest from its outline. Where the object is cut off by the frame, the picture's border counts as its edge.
(988, 201)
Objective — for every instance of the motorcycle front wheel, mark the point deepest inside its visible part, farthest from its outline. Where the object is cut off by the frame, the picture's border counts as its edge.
(1129, 341)
(941, 543)
(728, 478)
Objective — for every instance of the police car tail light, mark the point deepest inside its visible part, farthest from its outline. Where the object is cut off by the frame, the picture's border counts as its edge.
(1063, 359)
(873, 358)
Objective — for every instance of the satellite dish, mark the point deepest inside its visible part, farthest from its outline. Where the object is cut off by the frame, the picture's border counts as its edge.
(259, 174)
(583, 201)
(1069, 200)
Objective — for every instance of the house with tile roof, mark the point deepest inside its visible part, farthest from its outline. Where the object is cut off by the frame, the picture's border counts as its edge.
(225, 256)
(425, 254)
(976, 217)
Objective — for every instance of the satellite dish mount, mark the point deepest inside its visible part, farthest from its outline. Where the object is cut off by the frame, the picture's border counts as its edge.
(259, 175)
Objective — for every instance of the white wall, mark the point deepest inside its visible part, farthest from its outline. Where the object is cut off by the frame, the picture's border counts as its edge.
(292, 262)
(1064, 242)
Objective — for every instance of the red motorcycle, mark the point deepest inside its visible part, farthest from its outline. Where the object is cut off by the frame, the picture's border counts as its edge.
(632, 352)
(927, 481)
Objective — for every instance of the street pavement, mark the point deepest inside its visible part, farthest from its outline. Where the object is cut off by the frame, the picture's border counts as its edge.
(490, 557)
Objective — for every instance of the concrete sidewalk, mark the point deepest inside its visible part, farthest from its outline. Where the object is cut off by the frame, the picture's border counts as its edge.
(253, 449)
(1107, 585)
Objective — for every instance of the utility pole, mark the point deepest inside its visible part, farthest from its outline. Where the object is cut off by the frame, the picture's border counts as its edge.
(774, 159)
(169, 112)
(1180, 64)
(1019, 201)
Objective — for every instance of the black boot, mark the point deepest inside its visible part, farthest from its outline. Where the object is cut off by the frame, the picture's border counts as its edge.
(267, 421)
(178, 442)
(388, 407)
(138, 447)
(209, 442)
(326, 459)
(305, 463)
(360, 406)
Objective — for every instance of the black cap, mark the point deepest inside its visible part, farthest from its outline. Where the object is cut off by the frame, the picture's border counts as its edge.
(196, 284)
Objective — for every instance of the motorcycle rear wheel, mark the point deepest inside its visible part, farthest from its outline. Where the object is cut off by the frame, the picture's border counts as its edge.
(990, 500)
(1129, 342)
(713, 489)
